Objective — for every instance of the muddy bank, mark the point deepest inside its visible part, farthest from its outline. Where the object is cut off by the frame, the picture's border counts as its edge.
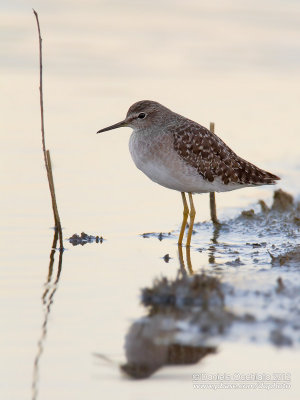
(249, 291)
(255, 237)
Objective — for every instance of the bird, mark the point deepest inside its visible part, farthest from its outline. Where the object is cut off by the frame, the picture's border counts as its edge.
(182, 155)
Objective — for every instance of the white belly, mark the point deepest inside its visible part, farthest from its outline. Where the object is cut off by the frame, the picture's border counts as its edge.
(157, 159)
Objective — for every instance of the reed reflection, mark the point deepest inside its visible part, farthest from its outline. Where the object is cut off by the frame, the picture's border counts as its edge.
(50, 288)
(213, 248)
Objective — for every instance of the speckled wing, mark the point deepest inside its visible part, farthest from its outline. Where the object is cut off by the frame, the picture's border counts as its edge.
(212, 158)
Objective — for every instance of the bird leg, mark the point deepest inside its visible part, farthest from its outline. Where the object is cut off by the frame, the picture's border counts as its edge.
(192, 218)
(184, 220)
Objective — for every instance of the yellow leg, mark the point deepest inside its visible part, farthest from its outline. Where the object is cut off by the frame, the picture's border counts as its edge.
(192, 218)
(184, 220)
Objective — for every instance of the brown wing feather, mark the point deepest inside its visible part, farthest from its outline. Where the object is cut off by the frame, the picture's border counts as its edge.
(212, 158)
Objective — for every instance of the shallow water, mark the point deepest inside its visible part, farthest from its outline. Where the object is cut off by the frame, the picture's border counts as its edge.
(236, 64)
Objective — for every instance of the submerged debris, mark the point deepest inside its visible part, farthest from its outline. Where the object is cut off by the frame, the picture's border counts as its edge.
(235, 263)
(280, 285)
(84, 238)
(290, 258)
(160, 236)
(254, 245)
(278, 338)
(166, 258)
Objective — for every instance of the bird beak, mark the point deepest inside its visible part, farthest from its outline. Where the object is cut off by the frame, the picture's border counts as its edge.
(115, 126)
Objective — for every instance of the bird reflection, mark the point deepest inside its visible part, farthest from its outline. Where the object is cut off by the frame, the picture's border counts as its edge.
(182, 266)
(146, 354)
(187, 268)
(185, 316)
(50, 288)
(185, 322)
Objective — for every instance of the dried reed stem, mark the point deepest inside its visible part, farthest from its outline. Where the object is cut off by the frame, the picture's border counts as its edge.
(53, 197)
(47, 152)
(212, 197)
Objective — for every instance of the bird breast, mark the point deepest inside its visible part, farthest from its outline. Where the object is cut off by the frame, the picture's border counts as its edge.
(155, 156)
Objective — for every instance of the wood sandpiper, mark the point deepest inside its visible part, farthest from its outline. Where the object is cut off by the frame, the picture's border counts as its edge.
(182, 155)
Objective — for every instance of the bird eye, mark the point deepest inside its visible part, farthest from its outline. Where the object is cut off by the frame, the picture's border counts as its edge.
(141, 115)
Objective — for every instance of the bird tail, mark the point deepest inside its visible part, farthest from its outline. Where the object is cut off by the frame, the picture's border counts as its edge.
(270, 179)
(250, 174)
(262, 177)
